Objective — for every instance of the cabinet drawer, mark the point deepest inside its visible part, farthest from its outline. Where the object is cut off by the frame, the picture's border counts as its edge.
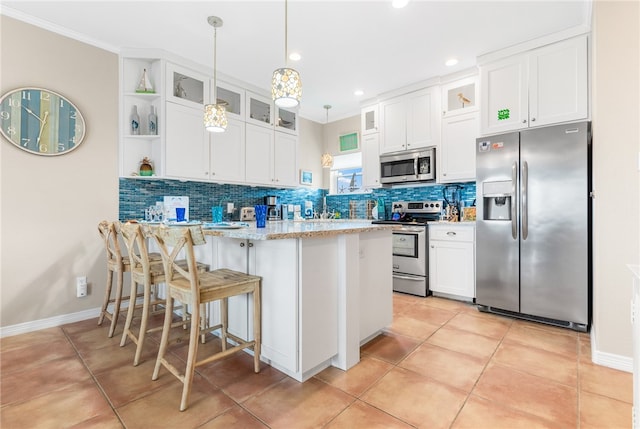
(451, 233)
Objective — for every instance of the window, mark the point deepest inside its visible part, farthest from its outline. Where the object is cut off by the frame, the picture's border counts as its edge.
(346, 174)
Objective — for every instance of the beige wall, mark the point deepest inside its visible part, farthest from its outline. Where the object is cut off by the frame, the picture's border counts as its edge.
(332, 133)
(616, 147)
(310, 149)
(51, 205)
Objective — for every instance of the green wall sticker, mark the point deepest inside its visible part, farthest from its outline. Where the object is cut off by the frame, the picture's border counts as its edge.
(503, 114)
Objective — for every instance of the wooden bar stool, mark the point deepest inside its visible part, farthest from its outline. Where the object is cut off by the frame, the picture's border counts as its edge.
(116, 263)
(147, 273)
(190, 286)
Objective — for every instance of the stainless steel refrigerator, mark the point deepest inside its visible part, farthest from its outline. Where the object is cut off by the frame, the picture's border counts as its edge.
(533, 227)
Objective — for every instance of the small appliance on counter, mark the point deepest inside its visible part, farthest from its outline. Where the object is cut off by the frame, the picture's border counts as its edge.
(247, 214)
(273, 207)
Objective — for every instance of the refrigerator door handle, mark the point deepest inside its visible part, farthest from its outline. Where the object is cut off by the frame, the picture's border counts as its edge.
(523, 198)
(514, 220)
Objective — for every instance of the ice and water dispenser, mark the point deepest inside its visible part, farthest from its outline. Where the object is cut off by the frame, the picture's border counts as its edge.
(497, 198)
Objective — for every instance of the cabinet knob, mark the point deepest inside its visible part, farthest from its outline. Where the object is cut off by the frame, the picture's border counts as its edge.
(433, 247)
(444, 174)
(533, 119)
(250, 244)
(524, 121)
(242, 244)
(213, 173)
(451, 233)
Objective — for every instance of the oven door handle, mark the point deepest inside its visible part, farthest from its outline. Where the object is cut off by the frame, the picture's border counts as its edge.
(415, 279)
(411, 230)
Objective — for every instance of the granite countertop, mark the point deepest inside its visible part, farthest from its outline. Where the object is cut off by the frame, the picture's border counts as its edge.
(278, 230)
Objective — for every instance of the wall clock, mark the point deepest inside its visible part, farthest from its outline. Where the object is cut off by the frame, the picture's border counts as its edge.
(41, 121)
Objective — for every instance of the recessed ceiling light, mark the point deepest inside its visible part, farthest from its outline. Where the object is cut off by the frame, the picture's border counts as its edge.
(294, 56)
(451, 62)
(358, 92)
(399, 4)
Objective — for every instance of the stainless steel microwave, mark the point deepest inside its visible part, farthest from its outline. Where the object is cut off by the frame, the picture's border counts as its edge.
(408, 166)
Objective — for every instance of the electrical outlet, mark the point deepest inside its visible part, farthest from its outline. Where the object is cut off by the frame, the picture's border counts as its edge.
(81, 287)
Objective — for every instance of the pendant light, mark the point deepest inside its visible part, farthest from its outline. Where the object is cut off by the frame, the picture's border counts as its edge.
(286, 86)
(215, 115)
(327, 158)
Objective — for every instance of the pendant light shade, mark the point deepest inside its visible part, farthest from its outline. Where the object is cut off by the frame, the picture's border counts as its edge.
(286, 86)
(215, 115)
(215, 118)
(327, 158)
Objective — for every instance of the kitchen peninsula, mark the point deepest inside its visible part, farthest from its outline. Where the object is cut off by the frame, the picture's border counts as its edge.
(326, 289)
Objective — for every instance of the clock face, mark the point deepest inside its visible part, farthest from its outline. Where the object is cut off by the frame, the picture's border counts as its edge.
(41, 121)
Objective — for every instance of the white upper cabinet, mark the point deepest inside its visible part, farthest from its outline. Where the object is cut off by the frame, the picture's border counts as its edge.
(227, 154)
(369, 120)
(286, 121)
(410, 121)
(457, 157)
(259, 110)
(460, 96)
(187, 87)
(232, 98)
(371, 161)
(271, 157)
(285, 160)
(544, 86)
(187, 145)
(259, 158)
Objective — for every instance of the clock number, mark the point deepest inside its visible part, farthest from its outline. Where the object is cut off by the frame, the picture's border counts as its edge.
(45, 96)
(11, 130)
(61, 147)
(5, 115)
(26, 95)
(26, 141)
(14, 102)
(61, 103)
(43, 148)
(72, 114)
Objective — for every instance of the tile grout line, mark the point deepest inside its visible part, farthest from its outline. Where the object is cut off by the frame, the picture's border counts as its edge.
(93, 377)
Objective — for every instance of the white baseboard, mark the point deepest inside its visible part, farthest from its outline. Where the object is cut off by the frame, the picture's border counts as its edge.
(622, 363)
(36, 325)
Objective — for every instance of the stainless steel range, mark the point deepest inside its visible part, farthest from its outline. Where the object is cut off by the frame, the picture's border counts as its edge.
(410, 241)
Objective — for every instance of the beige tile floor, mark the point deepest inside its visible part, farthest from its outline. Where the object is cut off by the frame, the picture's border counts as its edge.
(442, 364)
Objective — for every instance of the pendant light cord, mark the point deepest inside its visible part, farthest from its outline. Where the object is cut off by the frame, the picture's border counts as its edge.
(285, 32)
(215, 85)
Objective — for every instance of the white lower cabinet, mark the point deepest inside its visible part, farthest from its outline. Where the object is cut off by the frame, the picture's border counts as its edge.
(292, 341)
(452, 260)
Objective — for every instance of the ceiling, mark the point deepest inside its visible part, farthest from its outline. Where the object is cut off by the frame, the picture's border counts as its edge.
(345, 45)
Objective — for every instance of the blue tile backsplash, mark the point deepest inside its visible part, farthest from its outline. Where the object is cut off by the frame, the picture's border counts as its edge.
(138, 194)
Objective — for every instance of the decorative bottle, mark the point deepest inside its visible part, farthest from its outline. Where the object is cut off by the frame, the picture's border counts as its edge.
(153, 122)
(135, 121)
(146, 169)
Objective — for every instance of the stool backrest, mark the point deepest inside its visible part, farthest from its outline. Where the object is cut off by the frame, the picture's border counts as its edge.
(109, 232)
(179, 239)
(135, 236)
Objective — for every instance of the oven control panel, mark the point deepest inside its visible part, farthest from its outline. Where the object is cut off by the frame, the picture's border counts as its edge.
(417, 206)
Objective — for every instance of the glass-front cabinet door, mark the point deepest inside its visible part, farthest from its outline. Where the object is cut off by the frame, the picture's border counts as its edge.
(460, 96)
(259, 110)
(232, 98)
(186, 87)
(286, 121)
(369, 120)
